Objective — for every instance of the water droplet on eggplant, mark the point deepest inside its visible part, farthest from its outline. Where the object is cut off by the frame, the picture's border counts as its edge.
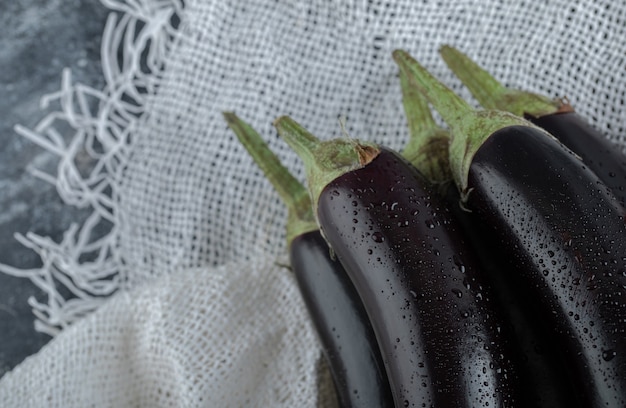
(608, 355)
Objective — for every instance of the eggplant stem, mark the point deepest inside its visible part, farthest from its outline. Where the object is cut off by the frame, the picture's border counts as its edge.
(468, 128)
(449, 105)
(483, 86)
(297, 137)
(291, 191)
(491, 94)
(427, 149)
(287, 186)
(324, 161)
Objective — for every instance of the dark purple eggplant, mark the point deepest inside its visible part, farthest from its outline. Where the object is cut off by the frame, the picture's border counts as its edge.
(556, 116)
(555, 219)
(345, 333)
(537, 357)
(440, 336)
(342, 324)
(599, 153)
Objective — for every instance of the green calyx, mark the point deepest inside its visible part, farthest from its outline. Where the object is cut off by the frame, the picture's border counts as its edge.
(491, 94)
(300, 219)
(427, 149)
(324, 161)
(431, 158)
(468, 128)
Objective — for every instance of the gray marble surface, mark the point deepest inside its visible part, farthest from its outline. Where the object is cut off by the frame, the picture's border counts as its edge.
(38, 38)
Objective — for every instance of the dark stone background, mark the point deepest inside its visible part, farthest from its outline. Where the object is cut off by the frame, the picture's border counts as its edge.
(38, 38)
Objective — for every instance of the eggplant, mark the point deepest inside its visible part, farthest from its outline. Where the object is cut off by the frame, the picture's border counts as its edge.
(348, 342)
(537, 356)
(553, 217)
(442, 340)
(556, 116)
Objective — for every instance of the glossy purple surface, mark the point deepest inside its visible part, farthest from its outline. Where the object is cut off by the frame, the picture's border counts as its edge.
(440, 337)
(557, 221)
(343, 327)
(539, 357)
(601, 155)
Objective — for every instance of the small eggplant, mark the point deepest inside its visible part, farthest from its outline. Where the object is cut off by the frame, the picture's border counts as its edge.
(555, 116)
(554, 217)
(536, 355)
(346, 335)
(439, 333)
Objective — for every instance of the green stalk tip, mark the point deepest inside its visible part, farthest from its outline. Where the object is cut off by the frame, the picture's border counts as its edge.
(491, 94)
(427, 149)
(295, 196)
(449, 105)
(481, 84)
(297, 137)
(468, 128)
(324, 161)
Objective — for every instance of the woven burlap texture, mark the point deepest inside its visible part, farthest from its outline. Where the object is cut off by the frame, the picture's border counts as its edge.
(187, 302)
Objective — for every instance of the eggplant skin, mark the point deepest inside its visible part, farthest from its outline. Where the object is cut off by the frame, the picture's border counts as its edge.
(538, 356)
(440, 336)
(603, 157)
(566, 231)
(347, 338)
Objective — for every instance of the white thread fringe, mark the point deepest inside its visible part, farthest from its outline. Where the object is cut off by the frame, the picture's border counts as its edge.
(81, 271)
